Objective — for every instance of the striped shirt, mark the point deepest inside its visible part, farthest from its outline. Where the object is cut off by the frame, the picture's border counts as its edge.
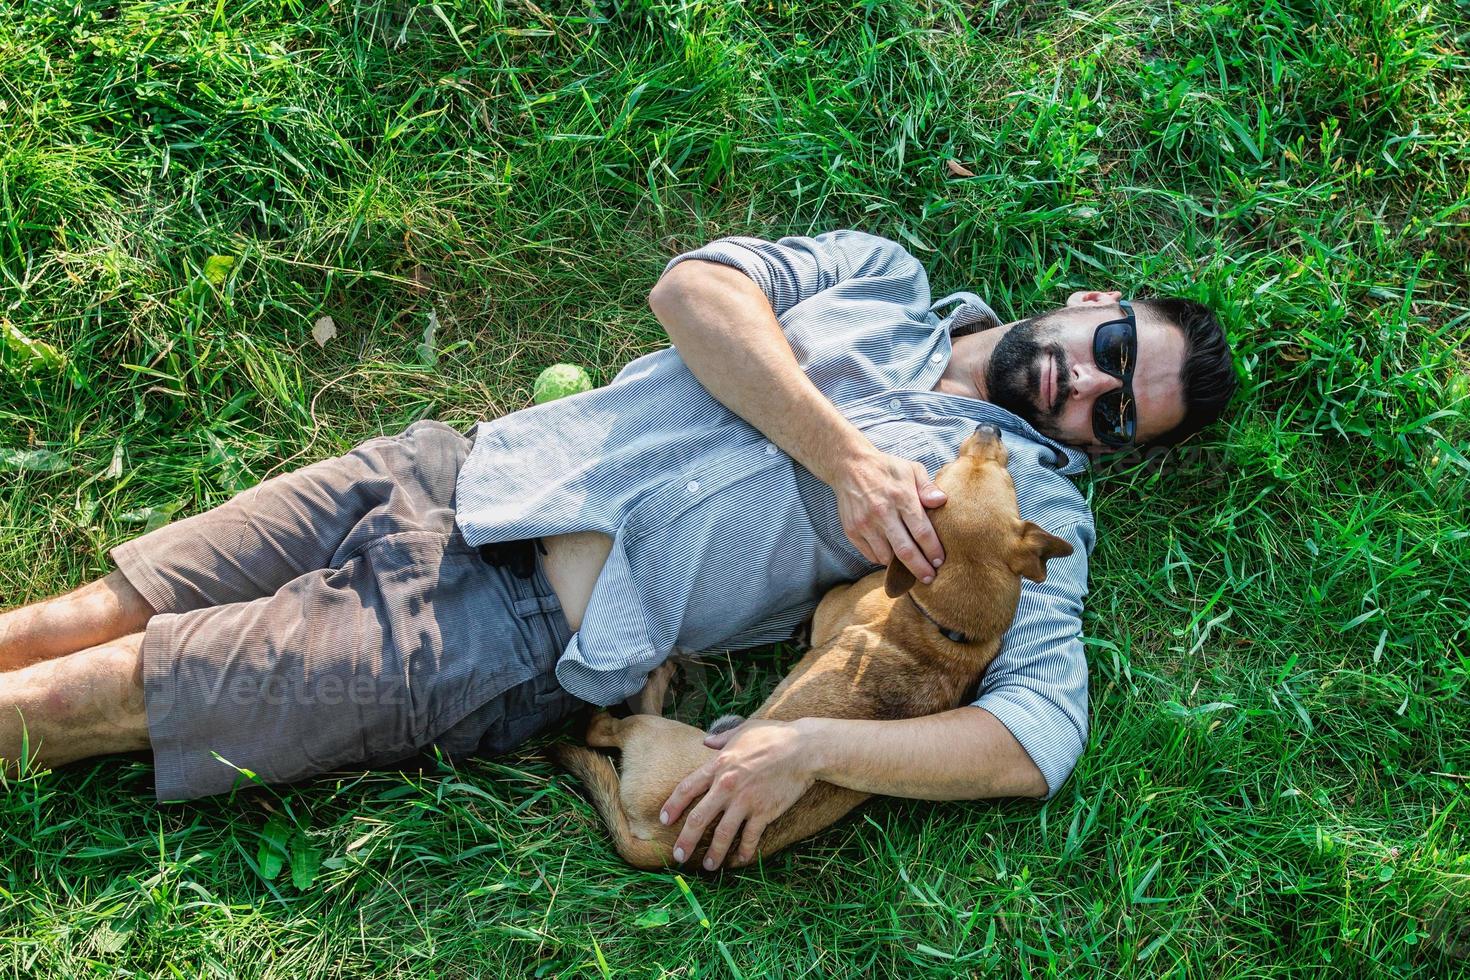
(722, 542)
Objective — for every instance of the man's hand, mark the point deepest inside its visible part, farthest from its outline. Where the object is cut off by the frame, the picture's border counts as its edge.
(881, 500)
(762, 770)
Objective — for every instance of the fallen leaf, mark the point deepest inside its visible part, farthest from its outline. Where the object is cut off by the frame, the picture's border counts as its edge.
(652, 919)
(217, 268)
(152, 518)
(111, 937)
(35, 353)
(323, 330)
(428, 352)
(957, 169)
(34, 460)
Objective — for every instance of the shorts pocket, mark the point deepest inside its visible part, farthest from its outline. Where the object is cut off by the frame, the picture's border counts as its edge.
(448, 634)
(510, 714)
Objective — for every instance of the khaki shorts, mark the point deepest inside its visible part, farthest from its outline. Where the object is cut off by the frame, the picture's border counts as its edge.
(334, 618)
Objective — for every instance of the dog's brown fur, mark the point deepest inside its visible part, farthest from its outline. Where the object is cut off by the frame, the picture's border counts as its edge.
(874, 655)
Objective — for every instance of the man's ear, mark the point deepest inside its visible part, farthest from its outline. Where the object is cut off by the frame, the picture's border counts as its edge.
(899, 579)
(1094, 297)
(1034, 548)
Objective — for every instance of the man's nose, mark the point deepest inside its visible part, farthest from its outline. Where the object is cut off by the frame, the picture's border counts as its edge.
(1089, 382)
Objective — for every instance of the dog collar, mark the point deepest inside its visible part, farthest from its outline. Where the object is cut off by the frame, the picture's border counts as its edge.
(945, 631)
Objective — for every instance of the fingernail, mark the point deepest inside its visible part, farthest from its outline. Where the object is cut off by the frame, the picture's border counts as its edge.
(679, 854)
(663, 817)
(928, 579)
(938, 562)
(709, 865)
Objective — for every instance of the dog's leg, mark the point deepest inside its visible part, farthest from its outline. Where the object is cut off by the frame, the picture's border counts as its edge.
(802, 639)
(604, 731)
(597, 774)
(829, 616)
(650, 700)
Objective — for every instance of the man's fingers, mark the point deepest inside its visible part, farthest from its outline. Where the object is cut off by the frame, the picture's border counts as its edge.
(929, 493)
(856, 535)
(700, 817)
(724, 836)
(874, 547)
(888, 521)
(907, 552)
(749, 841)
(922, 530)
(691, 786)
(929, 496)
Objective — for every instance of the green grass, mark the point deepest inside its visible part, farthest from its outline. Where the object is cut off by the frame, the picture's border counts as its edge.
(1278, 622)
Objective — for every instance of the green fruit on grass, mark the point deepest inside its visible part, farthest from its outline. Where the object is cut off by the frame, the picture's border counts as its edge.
(558, 381)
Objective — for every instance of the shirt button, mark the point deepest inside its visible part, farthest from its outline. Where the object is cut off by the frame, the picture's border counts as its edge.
(770, 449)
(692, 486)
(936, 357)
(894, 404)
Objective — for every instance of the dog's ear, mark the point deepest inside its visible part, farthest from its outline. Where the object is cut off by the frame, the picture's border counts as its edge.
(899, 579)
(1034, 548)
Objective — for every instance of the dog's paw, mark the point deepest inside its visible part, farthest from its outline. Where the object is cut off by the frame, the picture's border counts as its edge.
(724, 724)
(802, 638)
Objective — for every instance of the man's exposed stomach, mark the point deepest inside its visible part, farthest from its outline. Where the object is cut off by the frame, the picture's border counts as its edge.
(572, 563)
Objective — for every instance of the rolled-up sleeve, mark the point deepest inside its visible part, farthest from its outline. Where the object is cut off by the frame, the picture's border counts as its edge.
(1037, 685)
(797, 268)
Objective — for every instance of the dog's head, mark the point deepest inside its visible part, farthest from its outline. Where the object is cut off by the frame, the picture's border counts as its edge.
(987, 547)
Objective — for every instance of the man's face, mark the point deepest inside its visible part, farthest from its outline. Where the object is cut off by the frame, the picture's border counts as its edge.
(1042, 370)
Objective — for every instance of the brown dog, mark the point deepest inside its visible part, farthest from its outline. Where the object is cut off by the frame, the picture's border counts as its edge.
(883, 647)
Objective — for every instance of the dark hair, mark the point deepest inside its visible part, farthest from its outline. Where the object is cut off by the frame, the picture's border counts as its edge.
(1208, 378)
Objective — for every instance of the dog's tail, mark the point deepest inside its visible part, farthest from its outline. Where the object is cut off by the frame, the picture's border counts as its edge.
(598, 775)
(724, 723)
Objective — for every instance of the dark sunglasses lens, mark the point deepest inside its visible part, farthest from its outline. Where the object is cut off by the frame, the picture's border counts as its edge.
(1113, 420)
(1113, 348)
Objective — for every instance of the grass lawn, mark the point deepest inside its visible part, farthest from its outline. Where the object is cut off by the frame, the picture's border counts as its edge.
(1277, 776)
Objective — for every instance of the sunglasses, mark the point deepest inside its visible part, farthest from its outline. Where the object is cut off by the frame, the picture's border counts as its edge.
(1115, 352)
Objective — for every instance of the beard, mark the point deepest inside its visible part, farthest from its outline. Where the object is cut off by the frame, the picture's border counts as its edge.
(1013, 377)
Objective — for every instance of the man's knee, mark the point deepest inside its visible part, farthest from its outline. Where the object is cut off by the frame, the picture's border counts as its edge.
(114, 595)
(100, 689)
(92, 703)
(128, 663)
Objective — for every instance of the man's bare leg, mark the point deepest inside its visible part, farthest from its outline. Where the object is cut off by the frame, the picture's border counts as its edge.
(93, 614)
(72, 707)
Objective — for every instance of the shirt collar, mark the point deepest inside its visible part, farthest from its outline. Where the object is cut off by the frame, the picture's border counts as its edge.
(1067, 459)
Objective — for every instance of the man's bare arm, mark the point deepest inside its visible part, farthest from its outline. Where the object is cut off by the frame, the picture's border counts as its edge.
(728, 336)
(765, 767)
(961, 754)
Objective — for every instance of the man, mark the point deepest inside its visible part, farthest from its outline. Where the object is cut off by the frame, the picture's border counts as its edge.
(364, 608)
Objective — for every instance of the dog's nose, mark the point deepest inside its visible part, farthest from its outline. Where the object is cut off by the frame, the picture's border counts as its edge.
(987, 432)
